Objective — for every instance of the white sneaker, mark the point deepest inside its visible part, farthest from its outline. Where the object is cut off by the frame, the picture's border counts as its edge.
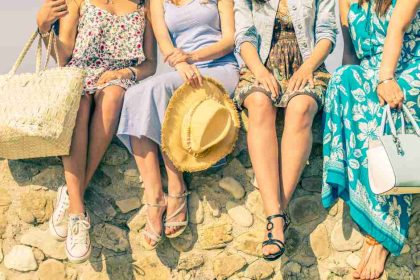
(78, 246)
(59, 221)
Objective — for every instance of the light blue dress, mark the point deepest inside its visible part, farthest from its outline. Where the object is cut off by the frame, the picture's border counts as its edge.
(352, 117)
(191, 26)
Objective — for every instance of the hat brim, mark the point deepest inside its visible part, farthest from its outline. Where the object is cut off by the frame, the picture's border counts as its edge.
(178, 106)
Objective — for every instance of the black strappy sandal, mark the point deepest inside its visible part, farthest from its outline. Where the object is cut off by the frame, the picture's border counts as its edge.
(280, 244)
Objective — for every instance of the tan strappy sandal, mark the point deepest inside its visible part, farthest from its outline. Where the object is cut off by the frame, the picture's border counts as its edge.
(181, 225)
(152, 233)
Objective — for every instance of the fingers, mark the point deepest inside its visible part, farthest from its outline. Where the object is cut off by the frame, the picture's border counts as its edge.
(291, 84)
(198, 76)
(311, 82)
(298, 84)
(274, 87)
(381, 100)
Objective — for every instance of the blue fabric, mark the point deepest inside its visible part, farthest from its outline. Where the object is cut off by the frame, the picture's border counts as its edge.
(312, 20)
(352, 117)
(191, 26)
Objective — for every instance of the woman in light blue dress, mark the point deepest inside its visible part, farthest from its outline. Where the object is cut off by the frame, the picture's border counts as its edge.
(386, 51)
(196, 37)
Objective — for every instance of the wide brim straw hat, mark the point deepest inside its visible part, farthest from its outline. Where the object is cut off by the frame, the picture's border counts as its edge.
(200, 127)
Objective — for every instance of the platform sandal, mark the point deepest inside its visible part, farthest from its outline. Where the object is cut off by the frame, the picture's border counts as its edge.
(271, 241)
(151, 233)
(181, 225)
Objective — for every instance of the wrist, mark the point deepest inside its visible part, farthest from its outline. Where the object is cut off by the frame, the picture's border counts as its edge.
(383, 75)
(192, 58)
(125, 73)
(44, 26)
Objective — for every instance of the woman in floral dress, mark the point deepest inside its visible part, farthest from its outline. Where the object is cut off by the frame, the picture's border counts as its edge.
(114, 43)
(385, 51)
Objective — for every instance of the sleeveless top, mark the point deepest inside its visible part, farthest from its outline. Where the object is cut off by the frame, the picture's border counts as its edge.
(107, 42)
(194, 25)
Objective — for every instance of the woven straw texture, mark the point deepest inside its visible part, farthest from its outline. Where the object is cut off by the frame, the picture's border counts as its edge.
(38, 111)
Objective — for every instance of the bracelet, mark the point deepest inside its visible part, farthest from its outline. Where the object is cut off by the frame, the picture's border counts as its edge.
(384, 81)
(133, 74)
(44, 35)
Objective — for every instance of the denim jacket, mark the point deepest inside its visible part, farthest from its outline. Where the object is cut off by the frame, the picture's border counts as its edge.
(312, 20)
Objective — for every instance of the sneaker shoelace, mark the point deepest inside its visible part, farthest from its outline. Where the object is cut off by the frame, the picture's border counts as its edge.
(62, 210)
(80, 232)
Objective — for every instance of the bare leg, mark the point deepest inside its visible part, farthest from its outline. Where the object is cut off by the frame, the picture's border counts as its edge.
(146, 156)
(108, 103)
(176, 186)
(296, 142)
(75, 163)
(263, 150)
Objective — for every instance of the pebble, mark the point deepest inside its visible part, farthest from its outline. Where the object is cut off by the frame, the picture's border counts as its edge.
(127, 205)
(225, 265)
(195, 209)
(42, 240)
(232, 186)
(320, 242)
(239, 214)
(250, 242)
(353, 260)
(215, 235)
(20, 258)
(348, 239)
(52, 270)
(259, 269)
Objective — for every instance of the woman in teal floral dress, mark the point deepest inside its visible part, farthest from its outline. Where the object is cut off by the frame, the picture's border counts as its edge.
(382, 38)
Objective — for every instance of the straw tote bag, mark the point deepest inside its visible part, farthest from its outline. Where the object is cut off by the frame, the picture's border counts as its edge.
(394, 160)
(38, 110)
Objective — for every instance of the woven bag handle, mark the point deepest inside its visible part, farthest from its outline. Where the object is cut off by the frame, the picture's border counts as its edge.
(25, 51)
(52, 42)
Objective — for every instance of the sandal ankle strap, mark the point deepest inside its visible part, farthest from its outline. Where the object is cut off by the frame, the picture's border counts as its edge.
(181, 195)
(164, 204)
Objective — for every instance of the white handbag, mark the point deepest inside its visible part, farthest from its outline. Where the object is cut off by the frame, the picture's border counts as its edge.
(38, 110)
(394, 160)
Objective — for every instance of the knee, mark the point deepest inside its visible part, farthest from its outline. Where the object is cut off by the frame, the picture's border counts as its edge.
(110, 96)
(301, 113)
(260, 108)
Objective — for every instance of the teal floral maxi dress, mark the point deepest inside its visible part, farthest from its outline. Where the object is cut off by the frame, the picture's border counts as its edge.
(352, 117)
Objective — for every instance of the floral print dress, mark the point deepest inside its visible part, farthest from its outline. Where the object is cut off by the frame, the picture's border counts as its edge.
(107, 42)
(353, 116)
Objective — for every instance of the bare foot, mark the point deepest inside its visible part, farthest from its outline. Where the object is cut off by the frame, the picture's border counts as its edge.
(175, 205)
(277, 233)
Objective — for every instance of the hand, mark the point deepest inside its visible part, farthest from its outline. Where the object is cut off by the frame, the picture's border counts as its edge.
(111, 75)
(178, 56)
(51, 11)
(268, 82)
(190, 74)
(389, 92)
(301, 77)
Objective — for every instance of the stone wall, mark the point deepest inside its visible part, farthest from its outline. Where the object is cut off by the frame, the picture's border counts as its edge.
(222, 241)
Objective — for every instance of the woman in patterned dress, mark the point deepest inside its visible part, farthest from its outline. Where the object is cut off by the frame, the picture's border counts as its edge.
(113, 42)
(284, 44)
(384, 51)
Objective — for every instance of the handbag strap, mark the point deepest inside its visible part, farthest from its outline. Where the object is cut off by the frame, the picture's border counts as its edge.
(52, 42)
(387, 116)
(26, 48)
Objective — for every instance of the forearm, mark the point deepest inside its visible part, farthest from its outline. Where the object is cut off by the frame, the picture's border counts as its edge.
(213, 51)
(146, 69)
(251, 58)
(319, 54)
(392, 53)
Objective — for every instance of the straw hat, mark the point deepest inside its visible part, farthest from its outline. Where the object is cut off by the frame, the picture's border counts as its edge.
(201, 126)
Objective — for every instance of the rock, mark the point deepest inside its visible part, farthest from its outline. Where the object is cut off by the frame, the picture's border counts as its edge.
(20, 258)
(314, 168)
(312, 184)
(254, 204)
(38, 254)
(132, 177)
(1, 250)
(22, 171)
(232, 186)
(42, 240)
(292, 270)
(239, 214)
(416, 258)
(52, 270)
(115, 155)
(100, 179)
(184, 242)
(3, 224)
(225, 266)
(294, 241)
(259, 270)
(36, 207)
(250, 242)
(405, 249)
(2, 276)
(51, 177)
(190, 261)
(150, 267)
(340, 271)
(138, 221)
(353, 260)
(345, 237)
(215, 235)
(111, 237)
(127, 205)
(213, 209)
(5, 199)
(399, 272)
(236, 170)
(195, 209)
(320, 242)
(99, 205)
(305, 209)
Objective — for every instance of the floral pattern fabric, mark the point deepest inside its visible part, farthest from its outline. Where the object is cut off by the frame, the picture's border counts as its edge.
(352, 117)
(108, 42)
(284, 59)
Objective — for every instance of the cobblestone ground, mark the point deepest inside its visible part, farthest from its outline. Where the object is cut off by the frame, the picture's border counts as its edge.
(222, 241)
